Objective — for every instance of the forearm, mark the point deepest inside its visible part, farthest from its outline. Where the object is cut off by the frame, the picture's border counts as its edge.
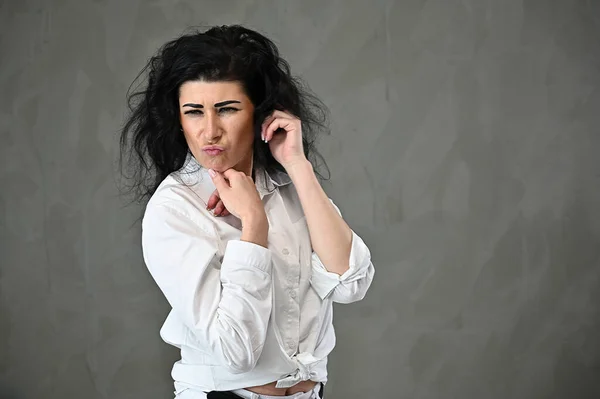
(225, 303)
(255, 230)
(331, 237)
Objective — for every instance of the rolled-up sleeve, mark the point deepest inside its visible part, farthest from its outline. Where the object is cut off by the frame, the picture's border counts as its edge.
(224, 300)
(351, 286)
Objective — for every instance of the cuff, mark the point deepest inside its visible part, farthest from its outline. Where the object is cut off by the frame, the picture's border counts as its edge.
(243, 253)
(324, 282)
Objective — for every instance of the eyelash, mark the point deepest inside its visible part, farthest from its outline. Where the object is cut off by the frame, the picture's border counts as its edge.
(225, 110)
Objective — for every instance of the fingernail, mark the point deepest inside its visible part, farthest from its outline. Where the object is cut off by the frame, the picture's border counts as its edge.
(212, 173)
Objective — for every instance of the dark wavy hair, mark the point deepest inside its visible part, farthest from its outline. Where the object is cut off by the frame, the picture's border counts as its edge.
(152, 144)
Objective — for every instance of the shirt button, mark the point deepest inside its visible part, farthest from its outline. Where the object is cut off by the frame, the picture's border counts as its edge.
(285, 251)
(293, 294)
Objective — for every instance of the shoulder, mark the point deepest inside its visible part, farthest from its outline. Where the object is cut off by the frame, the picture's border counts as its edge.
(177, 198)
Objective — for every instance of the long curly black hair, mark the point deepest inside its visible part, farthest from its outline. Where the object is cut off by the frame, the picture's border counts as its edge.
(152, 144)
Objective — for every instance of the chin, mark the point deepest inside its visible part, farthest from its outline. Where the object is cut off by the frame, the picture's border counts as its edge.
(214, 164)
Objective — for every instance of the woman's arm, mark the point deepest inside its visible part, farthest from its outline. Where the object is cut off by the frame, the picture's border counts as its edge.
(331, 237)
(222, 293)
(341, 262)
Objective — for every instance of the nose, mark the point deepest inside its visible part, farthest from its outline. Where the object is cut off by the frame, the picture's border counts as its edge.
(212, 130)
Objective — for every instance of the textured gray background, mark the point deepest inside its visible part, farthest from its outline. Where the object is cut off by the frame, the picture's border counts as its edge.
(464, 150)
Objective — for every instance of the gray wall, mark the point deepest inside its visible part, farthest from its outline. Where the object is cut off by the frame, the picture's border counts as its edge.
(464, 150)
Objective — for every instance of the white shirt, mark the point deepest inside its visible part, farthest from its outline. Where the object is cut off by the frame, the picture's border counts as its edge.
(244, 315)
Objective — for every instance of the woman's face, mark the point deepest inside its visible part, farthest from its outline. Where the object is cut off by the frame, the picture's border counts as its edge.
(217, 121)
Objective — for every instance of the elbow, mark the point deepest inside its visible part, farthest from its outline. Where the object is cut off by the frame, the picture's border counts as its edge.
(347, 295)
(350, 292)
(240, 365)
(238, 344)
(241, 358)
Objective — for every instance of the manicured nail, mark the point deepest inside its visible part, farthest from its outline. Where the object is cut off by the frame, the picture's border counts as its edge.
(212, 173)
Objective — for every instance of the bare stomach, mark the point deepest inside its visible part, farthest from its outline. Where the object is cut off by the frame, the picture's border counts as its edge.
(271, 390)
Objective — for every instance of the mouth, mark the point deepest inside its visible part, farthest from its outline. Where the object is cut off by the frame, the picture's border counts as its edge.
(213, 150)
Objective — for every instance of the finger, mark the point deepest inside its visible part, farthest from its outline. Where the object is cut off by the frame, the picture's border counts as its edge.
(225, 212)
(284, 114)
(212, 201)
(232, 174)
(264, 125)
(275, 114)
(219, 209)
(271, 128)
(219, 180)
(278, 123)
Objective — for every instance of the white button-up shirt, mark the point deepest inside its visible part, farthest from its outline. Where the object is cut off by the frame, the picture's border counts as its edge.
(244, 315)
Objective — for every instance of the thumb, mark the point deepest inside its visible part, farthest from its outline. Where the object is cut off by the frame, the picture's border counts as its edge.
(218, 179)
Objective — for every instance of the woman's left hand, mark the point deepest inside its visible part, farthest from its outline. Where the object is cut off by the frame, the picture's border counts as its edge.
(215, 204)
(285, 144)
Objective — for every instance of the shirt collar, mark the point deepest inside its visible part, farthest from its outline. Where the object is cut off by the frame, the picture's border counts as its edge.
(265, 182)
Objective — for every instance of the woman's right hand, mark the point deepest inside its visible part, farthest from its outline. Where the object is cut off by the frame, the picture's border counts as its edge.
(239, 195)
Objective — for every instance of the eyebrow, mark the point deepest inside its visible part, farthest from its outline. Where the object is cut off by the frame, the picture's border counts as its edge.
(217, 105)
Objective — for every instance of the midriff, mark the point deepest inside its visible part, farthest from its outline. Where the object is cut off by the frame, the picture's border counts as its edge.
(271, 390)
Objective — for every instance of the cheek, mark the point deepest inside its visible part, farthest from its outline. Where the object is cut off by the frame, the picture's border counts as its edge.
(244, 132)
(189, 138)
(249, 128)
(189, 120)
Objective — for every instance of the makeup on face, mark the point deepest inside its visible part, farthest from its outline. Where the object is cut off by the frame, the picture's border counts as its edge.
(219, 106)
(217, 121)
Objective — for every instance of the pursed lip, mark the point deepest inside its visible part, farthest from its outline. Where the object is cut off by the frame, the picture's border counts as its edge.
(213, 148)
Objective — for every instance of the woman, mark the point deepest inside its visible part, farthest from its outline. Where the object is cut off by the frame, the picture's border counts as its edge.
(238, 233)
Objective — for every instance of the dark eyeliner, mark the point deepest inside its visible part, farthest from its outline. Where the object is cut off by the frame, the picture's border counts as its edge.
(228, 109)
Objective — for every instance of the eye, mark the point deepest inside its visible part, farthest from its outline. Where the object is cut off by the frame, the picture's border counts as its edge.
(193, 112)
(227, 110)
